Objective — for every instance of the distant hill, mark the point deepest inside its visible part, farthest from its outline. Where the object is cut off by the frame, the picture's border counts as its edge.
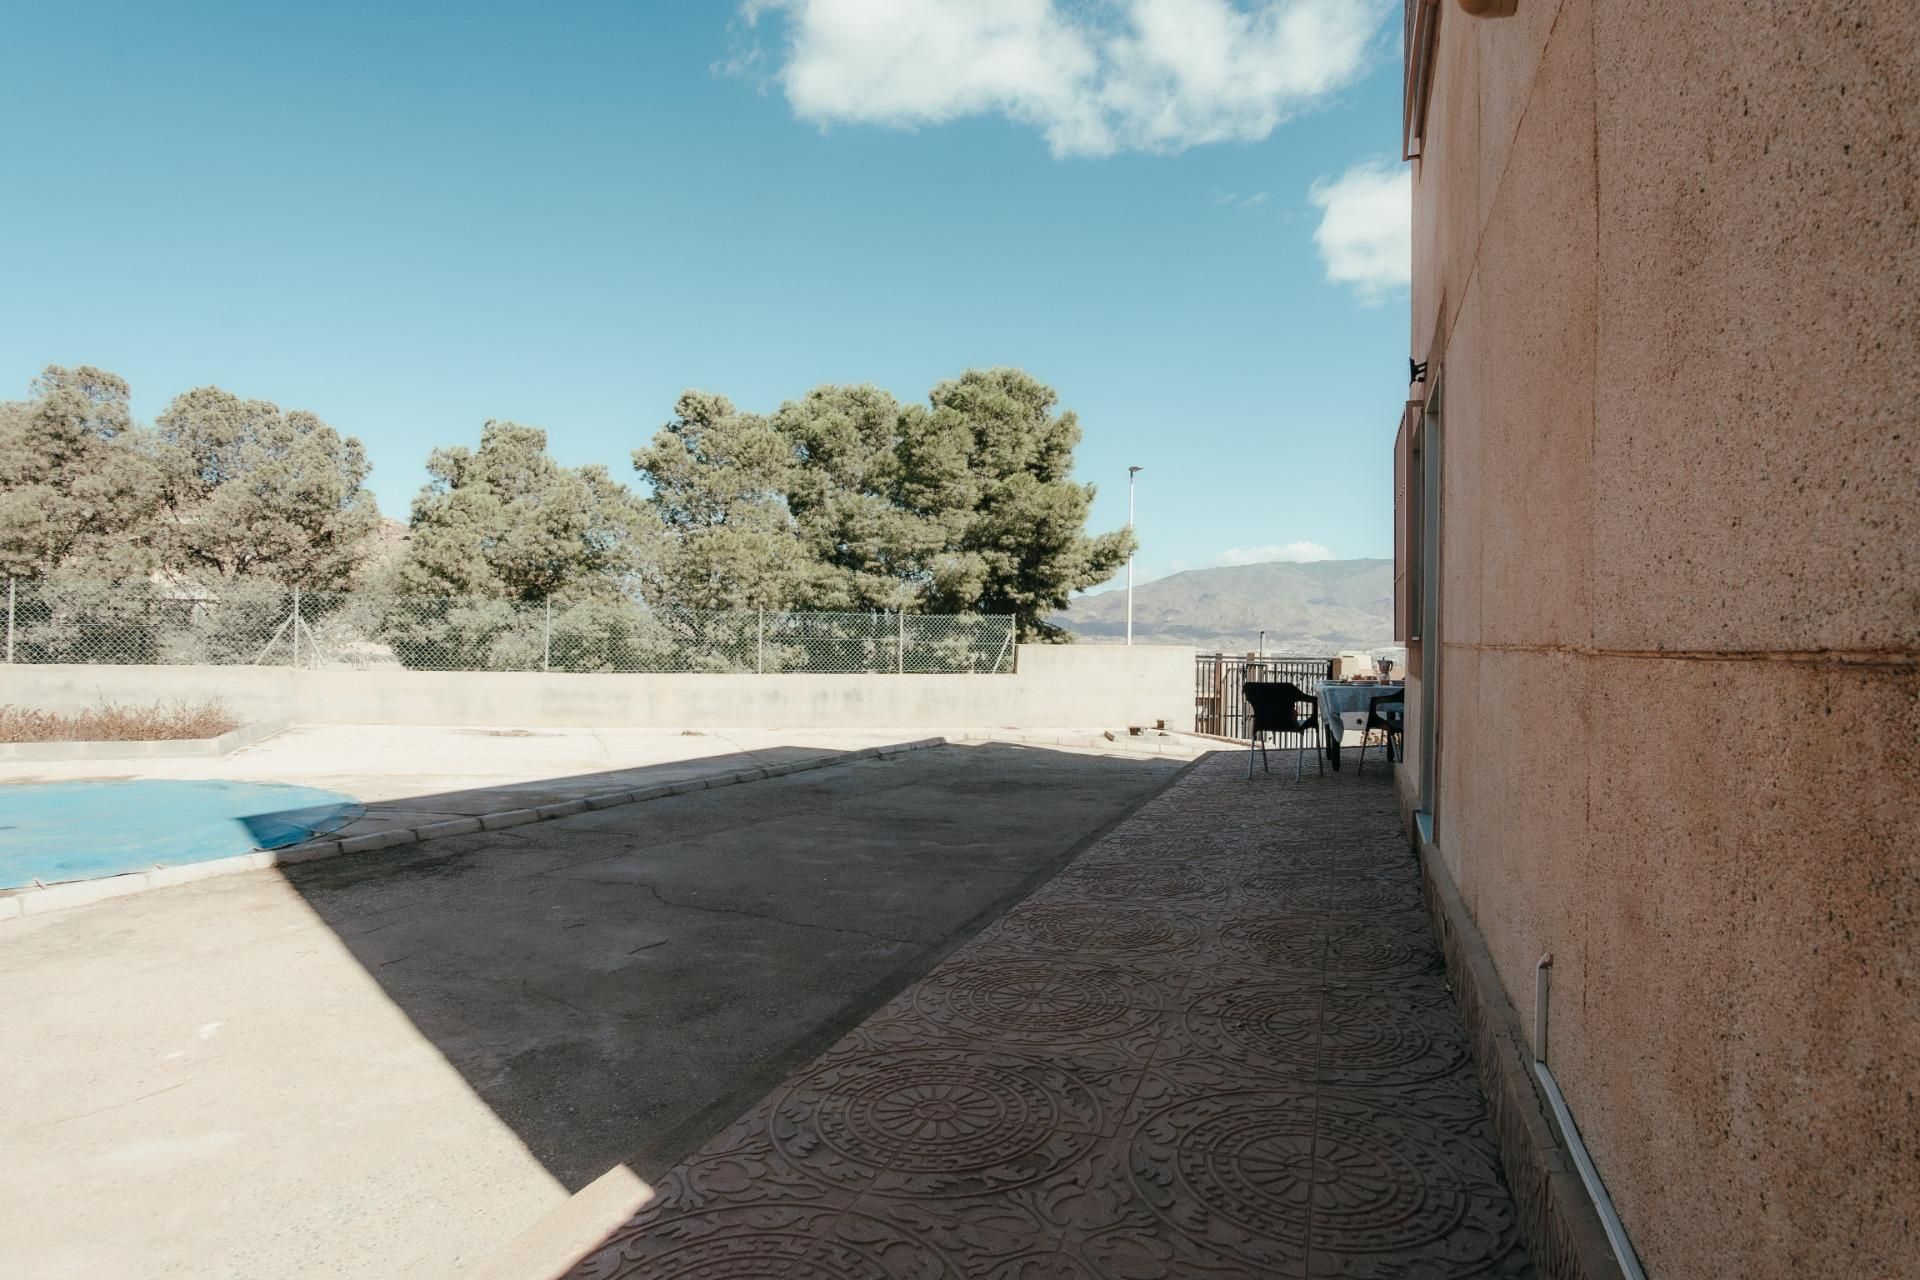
(1320, 607)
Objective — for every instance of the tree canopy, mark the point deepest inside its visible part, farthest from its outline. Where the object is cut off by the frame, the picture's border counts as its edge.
(505, 521)
(218, 489)
(77, 488)
(990, 463)
(844, 499)
(250, 491)
(841, 500)
(718, 478)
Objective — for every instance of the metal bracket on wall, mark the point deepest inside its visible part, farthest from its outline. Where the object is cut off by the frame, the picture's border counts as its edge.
(1541, 978)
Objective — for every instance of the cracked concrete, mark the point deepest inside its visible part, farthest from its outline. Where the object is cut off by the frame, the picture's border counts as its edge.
(768, 917)
(423, 1050)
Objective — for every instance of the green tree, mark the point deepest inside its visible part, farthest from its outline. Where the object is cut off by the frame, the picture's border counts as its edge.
(77, 482)
(845, 488)
(507, 522)
(519, 563)
(990, 462)
(252, 492)
(719, 481)
(964, 505)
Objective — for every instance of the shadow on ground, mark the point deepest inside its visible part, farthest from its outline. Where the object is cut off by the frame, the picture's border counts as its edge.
(618, 985)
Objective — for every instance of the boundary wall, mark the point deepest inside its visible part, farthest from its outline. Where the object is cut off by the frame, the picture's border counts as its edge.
(1052, 686)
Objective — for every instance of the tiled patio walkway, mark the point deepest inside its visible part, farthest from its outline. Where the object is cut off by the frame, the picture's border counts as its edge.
(1219, 1044)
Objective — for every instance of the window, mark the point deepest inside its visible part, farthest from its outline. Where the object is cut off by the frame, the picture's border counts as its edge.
(1408, 543)
(1420, 39)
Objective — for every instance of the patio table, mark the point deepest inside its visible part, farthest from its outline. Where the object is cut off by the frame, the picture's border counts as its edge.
(1343, 710)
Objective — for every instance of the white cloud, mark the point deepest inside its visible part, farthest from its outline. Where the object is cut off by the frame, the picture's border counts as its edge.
(1093, 77)
(1366, 228)
(1292, 552)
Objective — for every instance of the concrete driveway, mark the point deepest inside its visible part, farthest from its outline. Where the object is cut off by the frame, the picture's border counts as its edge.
(390, 1064)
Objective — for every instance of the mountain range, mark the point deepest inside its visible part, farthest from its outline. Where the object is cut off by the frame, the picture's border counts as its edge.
(1319, 607)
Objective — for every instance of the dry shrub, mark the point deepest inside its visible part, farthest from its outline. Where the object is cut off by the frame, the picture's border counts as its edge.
(115, 722)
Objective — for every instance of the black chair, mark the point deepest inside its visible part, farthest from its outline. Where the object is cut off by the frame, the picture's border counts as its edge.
(1276, 709)
(1388, 713)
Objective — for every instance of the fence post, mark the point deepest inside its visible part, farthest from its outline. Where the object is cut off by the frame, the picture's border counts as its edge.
(760, 644)
(9, 619)
(546, 638)
(1220, 694)
(296, 626)
(900, 652)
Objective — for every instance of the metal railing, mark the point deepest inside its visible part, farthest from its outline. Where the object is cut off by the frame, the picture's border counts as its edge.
(1219, 705)
(254, 624)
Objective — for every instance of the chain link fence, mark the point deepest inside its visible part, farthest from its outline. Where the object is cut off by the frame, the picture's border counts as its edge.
(252, 624)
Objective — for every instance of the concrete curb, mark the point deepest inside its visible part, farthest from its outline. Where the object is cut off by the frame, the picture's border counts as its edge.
(164, 749)
(79, 893)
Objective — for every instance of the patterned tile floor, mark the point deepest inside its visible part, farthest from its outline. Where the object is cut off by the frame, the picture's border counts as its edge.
(1218, 1044)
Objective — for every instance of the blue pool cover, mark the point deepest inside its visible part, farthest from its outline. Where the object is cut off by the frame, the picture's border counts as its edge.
(57, 831)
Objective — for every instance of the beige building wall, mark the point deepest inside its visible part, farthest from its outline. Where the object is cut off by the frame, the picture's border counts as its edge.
(1667, 269)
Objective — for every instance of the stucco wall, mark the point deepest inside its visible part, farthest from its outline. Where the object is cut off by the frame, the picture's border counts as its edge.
(1665, 261)
(1054, 686)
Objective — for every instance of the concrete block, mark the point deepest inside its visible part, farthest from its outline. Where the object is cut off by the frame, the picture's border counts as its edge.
(59, 897)
(311, 851)
(642, 794)
(560, 809)
(508, 818)
(682, 788)
(451, 827)
(161, 877)
(609, 799)
(376, 840)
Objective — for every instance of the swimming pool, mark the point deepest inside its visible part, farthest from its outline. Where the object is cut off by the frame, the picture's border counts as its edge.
(57, 831)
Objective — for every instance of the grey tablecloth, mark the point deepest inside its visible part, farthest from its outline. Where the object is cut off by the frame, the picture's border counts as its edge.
(1343, 708)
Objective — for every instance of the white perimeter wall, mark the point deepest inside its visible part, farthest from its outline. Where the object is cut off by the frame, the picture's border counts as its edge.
(1055, 686)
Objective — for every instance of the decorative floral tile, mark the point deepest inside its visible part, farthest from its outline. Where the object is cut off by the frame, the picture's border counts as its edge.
(1391, 1231)
(756, 1241)
(1219, 1045)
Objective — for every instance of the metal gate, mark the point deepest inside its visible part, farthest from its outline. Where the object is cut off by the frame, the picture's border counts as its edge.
(1219, 706)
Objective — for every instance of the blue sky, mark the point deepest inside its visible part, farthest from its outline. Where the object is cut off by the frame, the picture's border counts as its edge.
(412, 218)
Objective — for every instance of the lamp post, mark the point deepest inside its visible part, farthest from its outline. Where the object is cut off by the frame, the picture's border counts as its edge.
(1131, 473)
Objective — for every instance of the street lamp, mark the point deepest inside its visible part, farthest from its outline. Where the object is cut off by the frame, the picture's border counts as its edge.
(1131, 473)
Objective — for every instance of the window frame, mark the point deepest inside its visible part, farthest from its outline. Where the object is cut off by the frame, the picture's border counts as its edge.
(1420, 40)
